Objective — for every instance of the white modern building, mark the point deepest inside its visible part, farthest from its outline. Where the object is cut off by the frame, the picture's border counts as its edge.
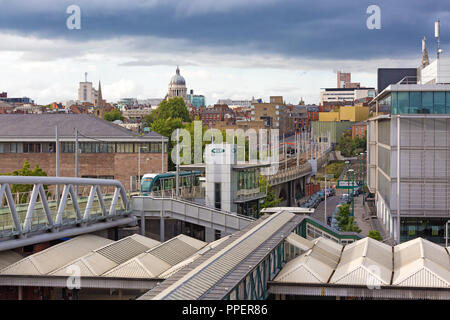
(86, 92)
(345, 94)
(409, 154)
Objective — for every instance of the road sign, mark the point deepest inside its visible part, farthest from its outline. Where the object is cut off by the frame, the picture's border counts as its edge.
(347, 184)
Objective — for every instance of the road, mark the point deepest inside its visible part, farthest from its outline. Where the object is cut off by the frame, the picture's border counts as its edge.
(332, 202)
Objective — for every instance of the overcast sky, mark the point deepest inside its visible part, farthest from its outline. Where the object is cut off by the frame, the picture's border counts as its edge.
(226, 49)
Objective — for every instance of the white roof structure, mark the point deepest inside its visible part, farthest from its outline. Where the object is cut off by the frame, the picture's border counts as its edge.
(368, 262)
(166, 274)
(314, 266)
(107, 257)
(52, 258)
(421, 263)
(8, 257)
(158, 259)
(299, 242)
(364, 262)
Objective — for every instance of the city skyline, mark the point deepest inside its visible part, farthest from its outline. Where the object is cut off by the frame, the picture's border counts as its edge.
(230, 50)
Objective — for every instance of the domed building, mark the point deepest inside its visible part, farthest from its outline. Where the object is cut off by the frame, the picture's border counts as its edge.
(177, 86)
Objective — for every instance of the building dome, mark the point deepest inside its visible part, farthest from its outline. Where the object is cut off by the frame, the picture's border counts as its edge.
(178, 79)
(177, 87)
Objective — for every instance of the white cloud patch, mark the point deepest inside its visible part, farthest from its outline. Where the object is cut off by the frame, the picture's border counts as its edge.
(49, 70)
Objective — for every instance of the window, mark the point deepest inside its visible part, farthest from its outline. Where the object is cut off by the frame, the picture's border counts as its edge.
(415, 99)
(217, 195)
(439, 102)
(427, 102)
(394, 103)
(447, 102)
(403, 102)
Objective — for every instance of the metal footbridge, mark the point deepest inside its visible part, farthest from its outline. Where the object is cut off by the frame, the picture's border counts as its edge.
(23, 224)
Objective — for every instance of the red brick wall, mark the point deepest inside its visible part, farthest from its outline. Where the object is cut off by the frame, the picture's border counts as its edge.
(119, 165)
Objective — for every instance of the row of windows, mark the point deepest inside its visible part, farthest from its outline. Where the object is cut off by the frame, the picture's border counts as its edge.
(427, 102)
(84, 147)
(248, 179)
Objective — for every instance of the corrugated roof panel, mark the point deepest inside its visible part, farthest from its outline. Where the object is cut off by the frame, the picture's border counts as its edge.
(423, 276)
(148, 242)
(429, 268)
(195, 243)
(52, 258)
(155, 265)
(299, 242)
(329, 245)
(122, 250)
(194, 284)
(9, 257)
(309, 267)
(131, 269)
(174, 251)
(366, 261)
(107, 257)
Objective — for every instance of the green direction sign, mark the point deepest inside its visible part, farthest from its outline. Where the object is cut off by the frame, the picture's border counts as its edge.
(347, 184)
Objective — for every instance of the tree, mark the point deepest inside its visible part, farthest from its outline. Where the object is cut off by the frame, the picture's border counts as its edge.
(343, 216)
(165, 127)
(113, 115)
(23, 189)
(345, 221)
(270, 200)
(352, 226)
(173, 108)
(375, 234)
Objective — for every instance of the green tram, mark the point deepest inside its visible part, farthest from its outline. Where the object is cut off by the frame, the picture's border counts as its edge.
(166, 181)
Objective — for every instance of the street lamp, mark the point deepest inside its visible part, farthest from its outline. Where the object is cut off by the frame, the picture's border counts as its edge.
(139, 165)
(353, 201)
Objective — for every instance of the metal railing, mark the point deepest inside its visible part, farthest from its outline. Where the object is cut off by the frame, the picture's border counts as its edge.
(52, 213)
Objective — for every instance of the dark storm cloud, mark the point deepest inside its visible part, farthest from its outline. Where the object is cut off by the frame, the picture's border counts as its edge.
(305, 29)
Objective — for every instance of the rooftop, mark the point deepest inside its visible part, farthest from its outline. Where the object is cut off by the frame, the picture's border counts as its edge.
(42, 127)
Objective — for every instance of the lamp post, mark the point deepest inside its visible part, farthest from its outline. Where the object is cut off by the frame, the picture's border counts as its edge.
(346, 176)
(139, 165)
(353, 201)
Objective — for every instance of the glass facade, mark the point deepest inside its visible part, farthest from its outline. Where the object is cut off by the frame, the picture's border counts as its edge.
(248, 179)
(418, 102)
(85, 147)
(432, 229)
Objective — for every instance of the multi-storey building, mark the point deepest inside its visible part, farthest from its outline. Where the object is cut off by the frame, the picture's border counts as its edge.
(275, 115)
(409, 154)
(345, 95)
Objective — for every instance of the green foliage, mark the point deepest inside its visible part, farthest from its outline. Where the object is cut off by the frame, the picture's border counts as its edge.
(173, 108)
(351, 147)
(23, 189)
(345, 221)
(375, 234)
(343, 215)
(165, 127)
(335, 168)
(270, 201)
(113, 115)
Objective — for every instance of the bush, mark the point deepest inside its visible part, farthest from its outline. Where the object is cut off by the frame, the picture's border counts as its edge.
(375, 234)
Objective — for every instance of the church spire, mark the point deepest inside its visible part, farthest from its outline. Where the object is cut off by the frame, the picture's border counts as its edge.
(425, 60)
(99, 96)
(178, 71)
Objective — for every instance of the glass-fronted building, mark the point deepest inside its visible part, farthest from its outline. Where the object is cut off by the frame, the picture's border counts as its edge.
(409, 160)
(197, 101)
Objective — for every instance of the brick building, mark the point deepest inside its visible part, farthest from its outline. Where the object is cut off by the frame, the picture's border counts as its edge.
(359, 129)
(106, 149)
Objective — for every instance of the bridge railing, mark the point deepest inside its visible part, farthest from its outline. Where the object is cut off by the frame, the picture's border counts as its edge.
(81, 201)
(290, 173)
